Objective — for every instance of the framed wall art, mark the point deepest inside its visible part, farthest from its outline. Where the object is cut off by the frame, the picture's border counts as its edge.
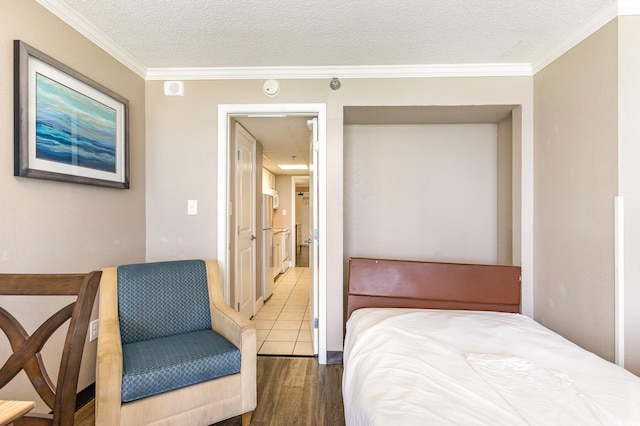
(67, 127)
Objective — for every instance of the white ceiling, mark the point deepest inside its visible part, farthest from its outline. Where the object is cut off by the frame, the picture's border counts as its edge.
(162, 38)
(282, 138)
(311, 33)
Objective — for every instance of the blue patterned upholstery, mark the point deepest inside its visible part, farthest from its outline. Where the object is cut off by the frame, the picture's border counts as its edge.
(160, 365)
(162, 299)
(165, 327)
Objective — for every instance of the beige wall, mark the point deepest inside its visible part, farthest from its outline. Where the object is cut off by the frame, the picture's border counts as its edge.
(576, 164)
(629, 176)
(283, 186)
(505, 185)
(58, 227)
(182, 156)
(421, 192)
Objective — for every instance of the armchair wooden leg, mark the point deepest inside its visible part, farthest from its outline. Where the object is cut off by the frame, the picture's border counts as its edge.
(246, 418)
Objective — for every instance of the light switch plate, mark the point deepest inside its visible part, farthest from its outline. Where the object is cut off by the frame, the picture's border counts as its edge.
(192, 207)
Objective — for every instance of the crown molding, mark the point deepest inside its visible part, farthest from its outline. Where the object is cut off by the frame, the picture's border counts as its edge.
(628, 7)
(364, 71)
(597, 21)
(93, 33)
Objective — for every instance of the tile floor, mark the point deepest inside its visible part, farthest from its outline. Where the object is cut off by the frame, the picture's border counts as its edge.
(282, 325)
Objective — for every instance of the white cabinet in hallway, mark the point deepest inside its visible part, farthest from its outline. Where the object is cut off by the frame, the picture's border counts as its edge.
(286, 257)
(281, 250)
(268, 181)
(277, 253)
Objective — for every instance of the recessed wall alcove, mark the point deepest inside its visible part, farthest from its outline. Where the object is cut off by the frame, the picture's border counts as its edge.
(433, 183)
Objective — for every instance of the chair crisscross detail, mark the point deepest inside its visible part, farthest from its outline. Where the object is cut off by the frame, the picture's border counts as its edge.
(26, 351)
(61, 396)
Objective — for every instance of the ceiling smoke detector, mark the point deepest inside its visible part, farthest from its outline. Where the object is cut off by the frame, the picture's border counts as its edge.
(271, 87)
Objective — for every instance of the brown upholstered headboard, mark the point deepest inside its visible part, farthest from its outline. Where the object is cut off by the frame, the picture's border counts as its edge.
(384, 283)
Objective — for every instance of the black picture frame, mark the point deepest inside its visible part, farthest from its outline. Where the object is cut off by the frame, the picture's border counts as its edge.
(67, 127)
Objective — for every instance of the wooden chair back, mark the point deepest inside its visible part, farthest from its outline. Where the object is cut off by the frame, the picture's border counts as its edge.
(26, 348)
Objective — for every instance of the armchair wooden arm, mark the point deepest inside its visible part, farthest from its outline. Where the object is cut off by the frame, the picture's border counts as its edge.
(236, 328)
(109, 355)
(224, 319)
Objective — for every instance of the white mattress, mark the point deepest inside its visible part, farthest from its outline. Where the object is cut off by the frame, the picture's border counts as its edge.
(421, 367)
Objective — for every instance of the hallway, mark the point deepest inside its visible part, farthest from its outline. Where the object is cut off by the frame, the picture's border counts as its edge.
(283, 325)
(302, 256)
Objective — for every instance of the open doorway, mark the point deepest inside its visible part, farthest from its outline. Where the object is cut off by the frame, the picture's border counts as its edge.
(301, 220)
(227, 114)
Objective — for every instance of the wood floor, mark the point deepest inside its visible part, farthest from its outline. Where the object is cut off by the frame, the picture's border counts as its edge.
(291, 391)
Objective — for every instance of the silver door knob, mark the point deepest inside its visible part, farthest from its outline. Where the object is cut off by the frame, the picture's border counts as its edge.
(308, 241)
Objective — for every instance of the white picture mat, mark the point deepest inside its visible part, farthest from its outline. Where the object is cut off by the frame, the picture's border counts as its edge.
(37, 66)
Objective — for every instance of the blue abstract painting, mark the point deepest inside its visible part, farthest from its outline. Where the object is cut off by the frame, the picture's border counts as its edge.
(74, 129)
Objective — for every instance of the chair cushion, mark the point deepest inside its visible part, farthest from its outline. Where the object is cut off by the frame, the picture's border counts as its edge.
(162, 299)
(160, 365)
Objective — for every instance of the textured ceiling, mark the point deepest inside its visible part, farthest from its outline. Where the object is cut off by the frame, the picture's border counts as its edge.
(238, 34)
(278, 33)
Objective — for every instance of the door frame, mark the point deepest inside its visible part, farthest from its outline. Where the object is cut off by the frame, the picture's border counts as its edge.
(225, 113)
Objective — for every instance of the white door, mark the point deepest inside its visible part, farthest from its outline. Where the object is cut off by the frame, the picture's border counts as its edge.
(245, 221)
(314, 263)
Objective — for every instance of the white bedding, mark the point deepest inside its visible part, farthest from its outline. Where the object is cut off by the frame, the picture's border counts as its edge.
(421, 367)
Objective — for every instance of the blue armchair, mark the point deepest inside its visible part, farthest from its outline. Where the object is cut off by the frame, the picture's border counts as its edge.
(170, 351)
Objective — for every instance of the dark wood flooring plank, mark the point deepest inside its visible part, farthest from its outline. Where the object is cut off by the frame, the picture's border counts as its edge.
(332, 390)
(297, 392)
(291, 392)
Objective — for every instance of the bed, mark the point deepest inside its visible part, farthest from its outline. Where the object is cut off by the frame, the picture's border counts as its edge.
(444, 343)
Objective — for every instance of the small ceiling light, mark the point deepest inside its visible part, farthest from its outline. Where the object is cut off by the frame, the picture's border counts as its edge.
(335, 83)
(293, 166)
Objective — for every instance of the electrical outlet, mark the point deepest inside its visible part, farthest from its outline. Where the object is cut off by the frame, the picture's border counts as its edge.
(93, 330)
